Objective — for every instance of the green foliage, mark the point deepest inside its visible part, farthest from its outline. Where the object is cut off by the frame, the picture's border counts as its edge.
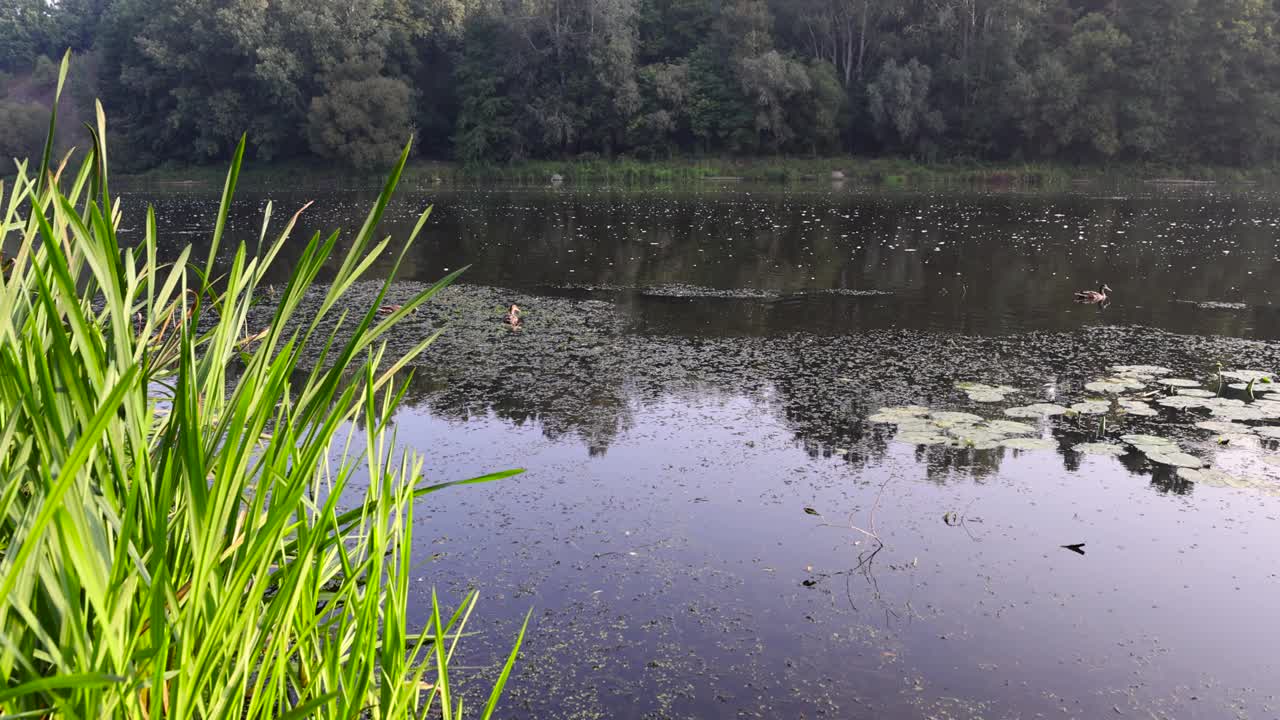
(180, 535)
(359, 119)
(44, 73)
(22, 130)
(900, 104)
(1178, 81)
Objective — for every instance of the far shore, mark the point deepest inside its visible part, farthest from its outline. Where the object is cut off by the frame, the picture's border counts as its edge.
(888, 172)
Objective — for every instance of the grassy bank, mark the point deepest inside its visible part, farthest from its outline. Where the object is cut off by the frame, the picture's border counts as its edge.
(887, 172)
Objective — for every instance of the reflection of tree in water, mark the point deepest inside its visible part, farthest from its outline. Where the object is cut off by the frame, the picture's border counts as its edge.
(578, 370)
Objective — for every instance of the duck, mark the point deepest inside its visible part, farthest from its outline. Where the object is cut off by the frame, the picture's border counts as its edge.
(513, 316)
(1094, 297)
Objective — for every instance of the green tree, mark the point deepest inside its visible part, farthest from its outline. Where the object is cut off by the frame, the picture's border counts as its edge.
(362, 119)
(899, 103)
(22, 131)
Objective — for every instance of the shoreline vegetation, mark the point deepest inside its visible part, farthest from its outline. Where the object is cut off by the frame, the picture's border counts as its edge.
(205, 511)
(886, 172)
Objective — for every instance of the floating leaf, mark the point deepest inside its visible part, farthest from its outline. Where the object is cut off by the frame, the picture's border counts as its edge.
(1183, 402)
(811, 511)
(1009, 427)
(1213, 478)
(1178, 382)
(1247, 376)
(1147, 440)
(1092, 407)
(1112, 386)
(1271, 432)
(894, 415)
(1137, 407)
(1218, 426)
(986, 396)
(1152, 370)
(948, 419)
(1100, 449)
(1240, 413)
(916, 425)
(921, 438)
(1175, 458)
(1196, 392)
(1038, 410)
(906, 410)
(1029, 444)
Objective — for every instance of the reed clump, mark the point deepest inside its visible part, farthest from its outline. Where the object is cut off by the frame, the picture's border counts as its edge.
(180, 533)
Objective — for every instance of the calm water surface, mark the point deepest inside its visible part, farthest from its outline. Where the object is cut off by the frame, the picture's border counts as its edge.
(697, 449)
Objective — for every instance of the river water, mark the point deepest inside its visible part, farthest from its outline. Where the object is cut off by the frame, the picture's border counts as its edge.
(695, 394)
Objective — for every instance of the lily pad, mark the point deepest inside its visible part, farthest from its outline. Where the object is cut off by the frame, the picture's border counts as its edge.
(1038, 410)
(1009, 427)
(1183, 402)
(1112, 386)
(1153, 370)
(1246, 376)
(972, 434)
(1137, 407)
(1147, 440)
(1247, 441)
(1212, 478)
(1271, 432)
(1240, 413)
(893, 415)
(920, 438)
(1092, 407)
(906, 409)
(949, 419)
(916, 425)
(1029, 444)
(1196, 392)
(1218, 426)
(1175, 458)
(1100, 449)
(1178, 382)
(981, 392)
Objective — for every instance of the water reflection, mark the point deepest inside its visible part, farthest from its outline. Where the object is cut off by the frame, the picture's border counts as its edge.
(688, 382)
(680, 576)
(769, 261)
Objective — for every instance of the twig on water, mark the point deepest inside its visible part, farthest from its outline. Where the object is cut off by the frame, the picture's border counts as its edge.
(874, 506)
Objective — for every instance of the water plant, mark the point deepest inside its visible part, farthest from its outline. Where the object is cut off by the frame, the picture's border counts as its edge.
(182, 534)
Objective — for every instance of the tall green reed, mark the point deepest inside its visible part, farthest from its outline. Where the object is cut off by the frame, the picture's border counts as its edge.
(180, 536)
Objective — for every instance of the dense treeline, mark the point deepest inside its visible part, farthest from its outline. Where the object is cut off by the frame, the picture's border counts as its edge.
(1181, 81)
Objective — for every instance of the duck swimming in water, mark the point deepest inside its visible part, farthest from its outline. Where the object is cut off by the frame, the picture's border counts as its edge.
(1101, 296)
(513, 316)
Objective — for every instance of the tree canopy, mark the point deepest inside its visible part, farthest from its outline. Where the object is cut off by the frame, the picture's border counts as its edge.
(1180, 81)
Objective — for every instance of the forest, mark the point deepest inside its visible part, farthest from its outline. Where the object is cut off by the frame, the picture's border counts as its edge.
(494, 81)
